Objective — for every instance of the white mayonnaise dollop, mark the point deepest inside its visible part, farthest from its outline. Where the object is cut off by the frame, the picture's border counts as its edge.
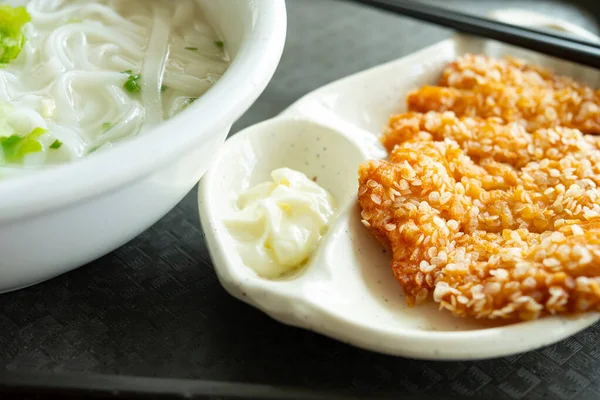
(279, 223)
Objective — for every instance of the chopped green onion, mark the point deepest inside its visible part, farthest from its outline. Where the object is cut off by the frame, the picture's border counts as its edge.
(16, 147)
(106, 126)
(163, 88)
(128, 72)
(56, 144)
(191, 48)
(12, 39)
(220, 44)
(9, 141)
(132, 85)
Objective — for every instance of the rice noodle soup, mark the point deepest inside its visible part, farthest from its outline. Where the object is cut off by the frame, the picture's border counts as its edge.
(78, 75)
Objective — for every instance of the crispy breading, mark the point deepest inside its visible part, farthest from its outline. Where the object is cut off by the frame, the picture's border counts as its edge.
(496, 222)
(471, 70)
(508, 143)
(534, 107)
(511, 90)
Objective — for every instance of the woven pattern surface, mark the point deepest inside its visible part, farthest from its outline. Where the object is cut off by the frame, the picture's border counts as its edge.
(155, 308)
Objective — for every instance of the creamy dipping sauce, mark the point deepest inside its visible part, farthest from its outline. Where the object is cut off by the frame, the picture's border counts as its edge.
(279, 224)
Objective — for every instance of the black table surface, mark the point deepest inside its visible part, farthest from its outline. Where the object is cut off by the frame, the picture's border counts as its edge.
(155, 308)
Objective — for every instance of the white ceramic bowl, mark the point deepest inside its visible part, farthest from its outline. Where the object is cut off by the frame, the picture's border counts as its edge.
(61, 218)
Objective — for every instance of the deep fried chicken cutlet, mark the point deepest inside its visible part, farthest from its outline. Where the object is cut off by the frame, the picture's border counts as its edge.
(511, 90)
(510, 143)
(506, 228)
(471, 70)
(534, 107)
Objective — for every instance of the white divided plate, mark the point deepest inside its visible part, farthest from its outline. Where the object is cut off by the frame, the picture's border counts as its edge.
(347, 290)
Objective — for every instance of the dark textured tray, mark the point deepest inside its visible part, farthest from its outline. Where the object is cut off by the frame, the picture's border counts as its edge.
(155, 308)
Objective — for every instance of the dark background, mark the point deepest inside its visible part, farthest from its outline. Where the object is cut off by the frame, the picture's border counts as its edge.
(155, 308)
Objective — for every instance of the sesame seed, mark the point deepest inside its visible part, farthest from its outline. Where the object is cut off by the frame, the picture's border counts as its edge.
(376, 199)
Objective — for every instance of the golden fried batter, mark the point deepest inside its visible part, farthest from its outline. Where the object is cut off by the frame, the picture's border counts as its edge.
(496, 222)
(472, 70)
(511, 90)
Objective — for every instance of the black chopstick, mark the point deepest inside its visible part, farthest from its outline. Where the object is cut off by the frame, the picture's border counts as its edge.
(63, 386)
(578, 51)
(41, 385)
(455, 14)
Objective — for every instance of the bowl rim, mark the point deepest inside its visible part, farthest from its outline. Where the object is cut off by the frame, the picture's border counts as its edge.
(245, 79)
